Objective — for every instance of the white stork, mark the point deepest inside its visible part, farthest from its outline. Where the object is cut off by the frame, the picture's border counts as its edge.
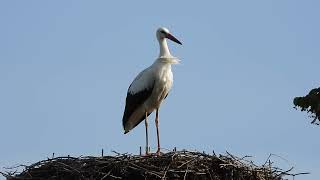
(150, 88)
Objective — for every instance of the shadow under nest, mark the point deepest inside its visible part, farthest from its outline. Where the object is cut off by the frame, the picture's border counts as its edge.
(172, 165)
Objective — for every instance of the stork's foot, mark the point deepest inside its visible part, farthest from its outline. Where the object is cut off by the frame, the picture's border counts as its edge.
(147, 151)
(158, 153)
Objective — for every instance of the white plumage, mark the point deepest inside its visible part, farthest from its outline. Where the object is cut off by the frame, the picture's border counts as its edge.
(150, 87)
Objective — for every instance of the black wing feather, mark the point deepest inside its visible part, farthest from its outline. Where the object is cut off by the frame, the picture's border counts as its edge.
(133, 101)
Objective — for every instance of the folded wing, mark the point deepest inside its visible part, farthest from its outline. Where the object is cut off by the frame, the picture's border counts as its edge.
(139, 91)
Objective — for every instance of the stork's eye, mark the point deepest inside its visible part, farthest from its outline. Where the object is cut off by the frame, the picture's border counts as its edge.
(163, 32)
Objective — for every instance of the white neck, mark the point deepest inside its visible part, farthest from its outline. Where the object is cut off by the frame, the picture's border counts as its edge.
(164, 50)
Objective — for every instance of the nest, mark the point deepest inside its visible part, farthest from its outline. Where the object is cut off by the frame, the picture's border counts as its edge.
(172, 165)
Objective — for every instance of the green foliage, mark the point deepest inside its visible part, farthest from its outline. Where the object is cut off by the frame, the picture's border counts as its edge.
(310, 103)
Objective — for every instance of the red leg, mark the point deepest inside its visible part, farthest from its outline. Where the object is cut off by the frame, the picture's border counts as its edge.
(146, 124)
(157, 125)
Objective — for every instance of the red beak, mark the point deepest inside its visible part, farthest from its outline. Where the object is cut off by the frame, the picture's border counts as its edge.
(169, 36)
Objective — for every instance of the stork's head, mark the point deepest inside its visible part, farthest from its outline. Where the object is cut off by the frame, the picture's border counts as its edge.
(163, 33)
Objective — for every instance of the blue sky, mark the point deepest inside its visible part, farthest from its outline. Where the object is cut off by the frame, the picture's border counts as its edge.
(65, 67)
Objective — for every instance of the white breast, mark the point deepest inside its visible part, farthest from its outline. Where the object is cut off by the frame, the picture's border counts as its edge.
(163, 83)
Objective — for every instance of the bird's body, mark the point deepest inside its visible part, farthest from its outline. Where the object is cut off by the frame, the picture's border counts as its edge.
(150, 87)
